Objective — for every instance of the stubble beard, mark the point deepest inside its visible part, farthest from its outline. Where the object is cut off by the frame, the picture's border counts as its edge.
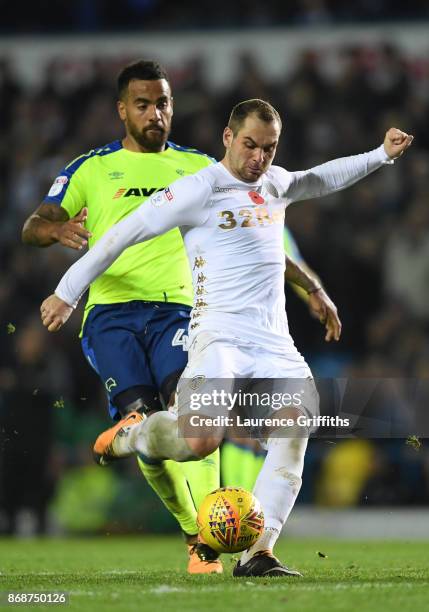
(153, 142)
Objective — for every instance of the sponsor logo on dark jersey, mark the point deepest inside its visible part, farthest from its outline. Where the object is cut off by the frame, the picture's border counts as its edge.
(139, 192)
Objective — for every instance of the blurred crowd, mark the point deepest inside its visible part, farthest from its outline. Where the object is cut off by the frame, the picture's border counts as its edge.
(370, 244)
(101, 15)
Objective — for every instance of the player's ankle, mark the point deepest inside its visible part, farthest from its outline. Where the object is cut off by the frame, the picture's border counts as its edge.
(254, 550)
(123, 445)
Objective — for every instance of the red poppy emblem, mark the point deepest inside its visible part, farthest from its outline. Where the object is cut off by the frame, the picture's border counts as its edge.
(256, 197)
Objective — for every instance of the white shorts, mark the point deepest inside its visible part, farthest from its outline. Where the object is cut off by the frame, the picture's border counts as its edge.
(216, 362)
(215, 356)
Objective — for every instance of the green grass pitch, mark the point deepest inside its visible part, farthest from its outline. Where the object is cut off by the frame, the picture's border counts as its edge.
(149, 573)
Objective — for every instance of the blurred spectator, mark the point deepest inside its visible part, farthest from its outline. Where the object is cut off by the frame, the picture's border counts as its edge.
(406, 264)
(30, 389)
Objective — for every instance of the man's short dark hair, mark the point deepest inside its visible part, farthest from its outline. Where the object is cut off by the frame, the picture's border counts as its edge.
(262, 109)
(144, 70)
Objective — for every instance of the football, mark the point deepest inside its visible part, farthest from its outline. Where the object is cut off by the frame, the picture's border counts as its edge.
(230, 520)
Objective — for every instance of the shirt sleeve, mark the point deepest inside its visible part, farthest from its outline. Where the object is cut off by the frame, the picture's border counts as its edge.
(334, 175)
(184, 203)
(68, 190)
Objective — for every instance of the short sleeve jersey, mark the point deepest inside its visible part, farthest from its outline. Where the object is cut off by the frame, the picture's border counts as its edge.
(112, 182)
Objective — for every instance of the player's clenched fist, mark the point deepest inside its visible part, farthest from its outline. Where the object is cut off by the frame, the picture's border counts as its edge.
(55, 312)
(396, 142)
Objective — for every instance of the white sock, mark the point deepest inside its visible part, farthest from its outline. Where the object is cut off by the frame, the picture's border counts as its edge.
(156, 437)
(123, 442)
(277, 488)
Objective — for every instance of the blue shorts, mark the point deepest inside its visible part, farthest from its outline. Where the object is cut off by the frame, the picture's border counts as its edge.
(137, 344)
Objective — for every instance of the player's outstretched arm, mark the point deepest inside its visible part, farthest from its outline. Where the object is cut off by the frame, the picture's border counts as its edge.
(345, 171)
(183, 203)
(57, 308)
(319, 302)
(50, 223)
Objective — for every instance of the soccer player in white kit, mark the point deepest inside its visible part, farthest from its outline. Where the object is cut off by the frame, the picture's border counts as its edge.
(231, 216)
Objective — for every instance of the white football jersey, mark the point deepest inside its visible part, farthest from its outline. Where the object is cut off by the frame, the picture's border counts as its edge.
(233, 234)
(234, 243)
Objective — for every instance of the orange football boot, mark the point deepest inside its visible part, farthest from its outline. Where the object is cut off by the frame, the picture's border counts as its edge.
(103, 450)
(200, 563)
